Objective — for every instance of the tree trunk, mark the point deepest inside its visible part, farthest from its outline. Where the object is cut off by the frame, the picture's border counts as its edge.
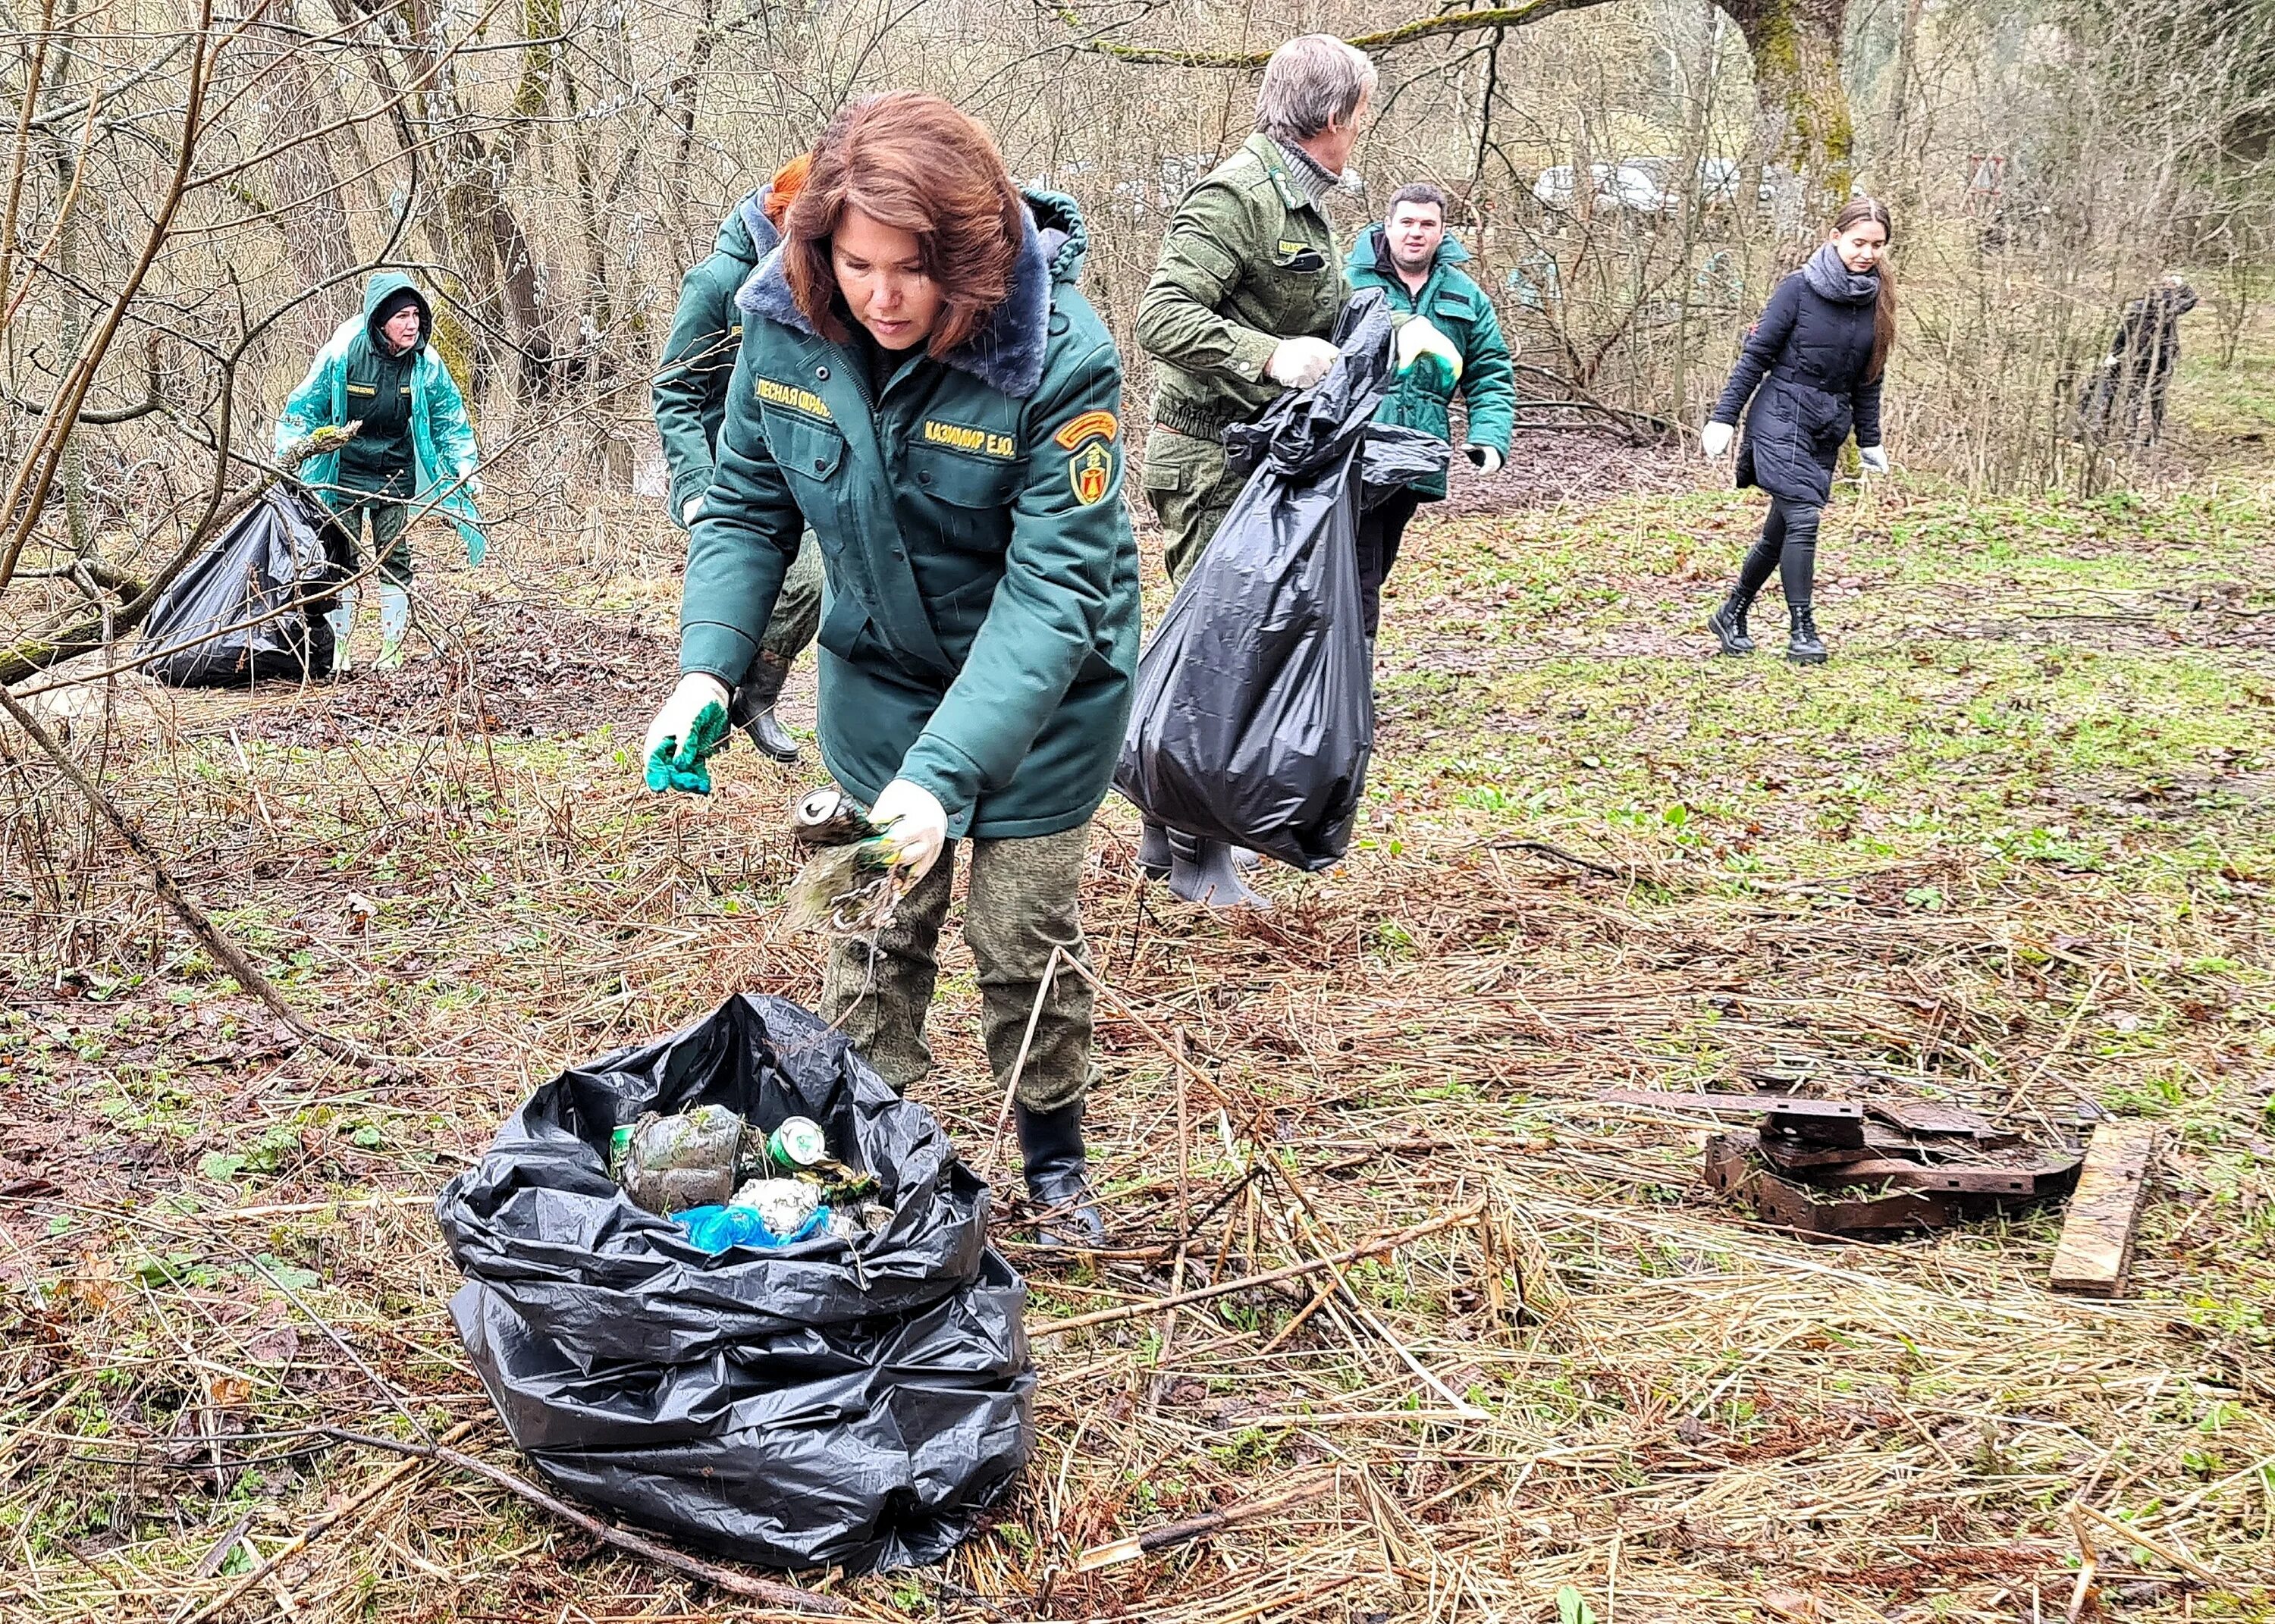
(1800, 105)
(71, 330)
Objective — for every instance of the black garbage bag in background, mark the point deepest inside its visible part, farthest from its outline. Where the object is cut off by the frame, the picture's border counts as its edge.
(253, 604)
(1254, 715)
(815, 1405)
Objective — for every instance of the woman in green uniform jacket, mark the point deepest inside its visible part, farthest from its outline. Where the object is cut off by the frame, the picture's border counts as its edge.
(922, 384)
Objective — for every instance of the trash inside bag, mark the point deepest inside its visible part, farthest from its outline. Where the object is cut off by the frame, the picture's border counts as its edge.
(1254, 715)
(686, 1160)
(252, 604)
(858, 1394)
(717, 1228)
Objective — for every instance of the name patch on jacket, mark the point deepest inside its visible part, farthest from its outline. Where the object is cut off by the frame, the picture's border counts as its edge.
(775, 393)
(975, 442)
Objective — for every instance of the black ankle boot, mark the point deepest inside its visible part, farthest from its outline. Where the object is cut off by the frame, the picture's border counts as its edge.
(1805, 647)
(1728, 622)
(1058, 1175)
(753, 708)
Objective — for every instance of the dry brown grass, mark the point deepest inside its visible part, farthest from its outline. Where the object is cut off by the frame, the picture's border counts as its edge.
(1679, 1413)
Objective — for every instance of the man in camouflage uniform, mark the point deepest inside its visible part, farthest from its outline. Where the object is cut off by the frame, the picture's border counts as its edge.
(1248, 285)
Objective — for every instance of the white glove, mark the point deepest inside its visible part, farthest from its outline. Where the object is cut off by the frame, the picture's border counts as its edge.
(1874, 458)
(1715, 439)
(1488, 460)
(673, 754)
(1299, 363)
(1417, 338)
(916, 823)
(688, 509)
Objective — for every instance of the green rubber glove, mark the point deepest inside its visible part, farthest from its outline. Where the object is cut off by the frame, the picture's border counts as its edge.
(687, 732)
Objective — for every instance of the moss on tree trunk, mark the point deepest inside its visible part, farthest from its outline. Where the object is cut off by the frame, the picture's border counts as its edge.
(1801, 104)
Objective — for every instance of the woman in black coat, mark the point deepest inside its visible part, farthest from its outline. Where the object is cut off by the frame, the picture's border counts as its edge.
(1816, 358)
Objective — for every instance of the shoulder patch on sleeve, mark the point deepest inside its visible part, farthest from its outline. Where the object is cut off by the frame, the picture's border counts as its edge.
(1090, 424)
(1090, 473)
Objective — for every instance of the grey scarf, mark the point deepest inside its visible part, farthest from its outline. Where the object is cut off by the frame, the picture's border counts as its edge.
(1832, 280)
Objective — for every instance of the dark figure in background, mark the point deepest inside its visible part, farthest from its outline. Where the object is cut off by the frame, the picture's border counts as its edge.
(1816, 358)
(2138, 369)
(690, 402)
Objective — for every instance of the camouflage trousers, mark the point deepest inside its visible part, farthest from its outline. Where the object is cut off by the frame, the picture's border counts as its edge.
(1023, 901)
(1189, 490)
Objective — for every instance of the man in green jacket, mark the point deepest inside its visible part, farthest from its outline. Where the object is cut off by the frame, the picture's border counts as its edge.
(690, 401)
(1248, 285)
(1449, 343)
(941, 405)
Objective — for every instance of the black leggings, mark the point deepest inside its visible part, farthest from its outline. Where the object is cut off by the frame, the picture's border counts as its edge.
(1788, 546)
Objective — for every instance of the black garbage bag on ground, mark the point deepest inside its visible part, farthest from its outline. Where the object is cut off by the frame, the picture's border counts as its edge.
(1254, 714)
(253, 605)
(820, 1404)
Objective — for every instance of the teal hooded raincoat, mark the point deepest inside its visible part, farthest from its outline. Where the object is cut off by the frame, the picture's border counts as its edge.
(444, 455)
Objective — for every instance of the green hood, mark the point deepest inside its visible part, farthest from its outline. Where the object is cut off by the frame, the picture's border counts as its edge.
(384, 285)
(746, 235)
(1059, 231)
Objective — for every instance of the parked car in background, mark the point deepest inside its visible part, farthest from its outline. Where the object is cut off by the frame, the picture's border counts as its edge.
(1648, 186)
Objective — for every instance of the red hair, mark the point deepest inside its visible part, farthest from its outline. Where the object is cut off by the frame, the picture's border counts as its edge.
(782, 190)
(916, 163)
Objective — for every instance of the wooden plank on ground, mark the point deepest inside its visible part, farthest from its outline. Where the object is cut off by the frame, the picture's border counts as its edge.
(2096, 1248)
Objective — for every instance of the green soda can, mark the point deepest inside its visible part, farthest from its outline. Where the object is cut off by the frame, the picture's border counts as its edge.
(620, 1145)
(797, 1145)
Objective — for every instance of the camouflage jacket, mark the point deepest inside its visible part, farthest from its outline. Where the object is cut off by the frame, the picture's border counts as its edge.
(1249, 260)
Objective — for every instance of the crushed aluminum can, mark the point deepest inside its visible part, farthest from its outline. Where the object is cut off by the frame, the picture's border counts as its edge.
(798, 1144)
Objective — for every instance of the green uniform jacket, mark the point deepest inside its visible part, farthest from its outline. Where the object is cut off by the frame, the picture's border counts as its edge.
(981, 633)
(443, 453)
(690, 389)
(1457, 307)
(1249, 261)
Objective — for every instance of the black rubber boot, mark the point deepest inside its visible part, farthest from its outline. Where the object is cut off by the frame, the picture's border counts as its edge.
(753, 708)
(1804, 647)
(1058, 1175)
(1202, 870)
(1153, 851)
(1728, 622)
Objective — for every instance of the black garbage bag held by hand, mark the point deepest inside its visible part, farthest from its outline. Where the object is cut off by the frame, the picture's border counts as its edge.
(825, 1402)
(1254, 715)
(252, 604)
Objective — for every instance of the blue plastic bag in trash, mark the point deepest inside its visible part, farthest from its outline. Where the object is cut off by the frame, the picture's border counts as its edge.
(715, 1228)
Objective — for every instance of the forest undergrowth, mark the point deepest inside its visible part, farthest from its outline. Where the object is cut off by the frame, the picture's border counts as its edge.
(2014, 847)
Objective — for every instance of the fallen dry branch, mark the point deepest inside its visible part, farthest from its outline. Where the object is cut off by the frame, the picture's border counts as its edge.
(772, 1593)
(316, 1531)
(225, 952)
(1199, 1528)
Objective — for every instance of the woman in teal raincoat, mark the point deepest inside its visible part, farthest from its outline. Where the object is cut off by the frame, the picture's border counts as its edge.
(414, 453)
(921, 383)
